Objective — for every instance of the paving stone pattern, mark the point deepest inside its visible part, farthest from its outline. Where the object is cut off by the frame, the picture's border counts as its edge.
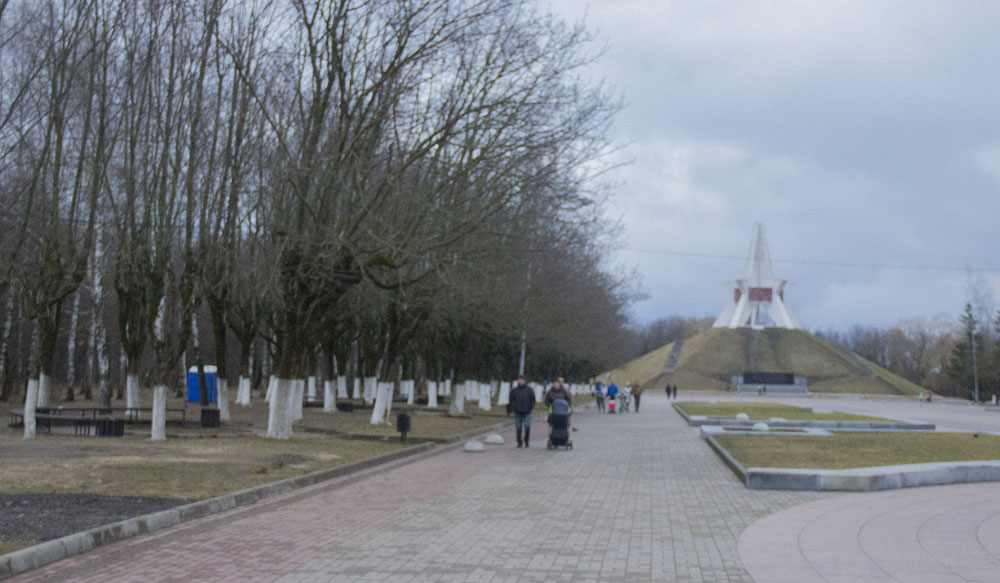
(640, 498)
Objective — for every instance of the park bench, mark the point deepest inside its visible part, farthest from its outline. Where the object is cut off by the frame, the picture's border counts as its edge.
(45, 417)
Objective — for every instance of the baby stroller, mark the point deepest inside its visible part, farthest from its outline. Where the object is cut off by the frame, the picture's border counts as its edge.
(559, 412)
(611, 404)
(623, 403)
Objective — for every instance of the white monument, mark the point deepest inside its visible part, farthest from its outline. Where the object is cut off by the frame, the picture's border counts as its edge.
(758, 299)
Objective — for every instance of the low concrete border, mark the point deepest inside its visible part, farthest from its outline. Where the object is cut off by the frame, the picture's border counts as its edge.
(700, 420)
(78, 543)
(859, 479)
(872, 479)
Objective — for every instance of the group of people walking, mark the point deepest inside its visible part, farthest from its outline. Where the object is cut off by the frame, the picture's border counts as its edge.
(610, 399)
(618, 399)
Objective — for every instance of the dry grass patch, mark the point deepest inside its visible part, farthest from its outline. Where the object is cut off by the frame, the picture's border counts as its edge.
(859, 450)
(176, 468)
(766, 411)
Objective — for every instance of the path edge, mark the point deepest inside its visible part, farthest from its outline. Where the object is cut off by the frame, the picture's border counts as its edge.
(48, 552)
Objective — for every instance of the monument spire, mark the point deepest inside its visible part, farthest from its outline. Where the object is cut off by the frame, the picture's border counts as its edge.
(759, 298)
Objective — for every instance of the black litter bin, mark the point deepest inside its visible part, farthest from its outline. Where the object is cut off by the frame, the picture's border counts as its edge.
(209, 417)
(403, 424)
(345, 407)
(109, 427)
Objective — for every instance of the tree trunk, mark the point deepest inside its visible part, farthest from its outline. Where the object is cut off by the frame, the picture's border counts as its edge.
(74, 321)
(159, 423)
(279, 420)
(30, 404)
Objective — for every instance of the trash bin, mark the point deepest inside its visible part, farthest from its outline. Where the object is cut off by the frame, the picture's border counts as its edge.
(403, 424)
(193, 392)
(109, 427)
(209, 417)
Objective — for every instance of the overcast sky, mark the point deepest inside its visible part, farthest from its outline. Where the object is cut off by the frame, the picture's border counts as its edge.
(861, 133)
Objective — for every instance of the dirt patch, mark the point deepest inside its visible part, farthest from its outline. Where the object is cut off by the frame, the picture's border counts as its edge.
(42, 517)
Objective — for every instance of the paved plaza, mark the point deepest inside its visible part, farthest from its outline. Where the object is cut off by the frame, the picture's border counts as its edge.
(639, 498)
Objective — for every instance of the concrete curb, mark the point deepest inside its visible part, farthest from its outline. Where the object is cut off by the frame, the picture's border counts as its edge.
(78, 543)
(873, 479)
(843, 425)
(859, 479)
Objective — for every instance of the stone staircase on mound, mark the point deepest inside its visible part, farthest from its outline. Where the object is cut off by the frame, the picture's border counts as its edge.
(675, 354)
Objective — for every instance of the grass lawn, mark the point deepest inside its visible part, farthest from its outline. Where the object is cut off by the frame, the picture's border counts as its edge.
(425, 424)
(858, 450)
(765, 411)
(189, 468)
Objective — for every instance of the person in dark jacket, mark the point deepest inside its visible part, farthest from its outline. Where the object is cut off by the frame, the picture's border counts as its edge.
(522, 401)
(558, 391)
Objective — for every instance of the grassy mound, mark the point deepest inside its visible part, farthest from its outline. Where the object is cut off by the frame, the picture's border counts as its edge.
(709, 360)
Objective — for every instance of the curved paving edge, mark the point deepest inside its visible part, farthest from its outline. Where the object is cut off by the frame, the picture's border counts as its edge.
(78, 543)
(860, 479)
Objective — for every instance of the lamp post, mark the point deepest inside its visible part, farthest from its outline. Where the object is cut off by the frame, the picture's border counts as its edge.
(975, 369)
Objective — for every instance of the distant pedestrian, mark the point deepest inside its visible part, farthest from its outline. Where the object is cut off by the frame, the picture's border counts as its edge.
(522, 401)
(675, 392)
(599, 396)
(637, 394)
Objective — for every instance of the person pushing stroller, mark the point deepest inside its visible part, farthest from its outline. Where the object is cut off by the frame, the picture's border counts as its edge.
(560, 409)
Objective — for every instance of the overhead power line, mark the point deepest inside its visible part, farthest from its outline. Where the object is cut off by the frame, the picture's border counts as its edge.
(912, 267)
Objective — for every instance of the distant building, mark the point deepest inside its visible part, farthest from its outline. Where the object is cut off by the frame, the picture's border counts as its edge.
(758, 299)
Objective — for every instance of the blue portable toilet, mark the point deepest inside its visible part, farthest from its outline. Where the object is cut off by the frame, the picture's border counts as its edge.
(211, 376)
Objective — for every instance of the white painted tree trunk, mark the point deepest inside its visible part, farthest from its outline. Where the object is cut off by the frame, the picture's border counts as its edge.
(243, 391)
(484, 396)
(371, 388)
(539, 390)
(472, 390)
(356, 389)
(279, 418)
(299, 388)
(311, 388)
(222, 394)
(503, 397)
(457, 400)
(30, 404)
(132, 391)
(383, 403)
(159, 425)
(271, 382)
(329, 396)
(44, 390)
(411, 388)
(447, 387)
(341, 387)
(432, 394)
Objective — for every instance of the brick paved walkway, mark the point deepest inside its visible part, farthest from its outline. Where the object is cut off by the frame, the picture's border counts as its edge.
(640, 498)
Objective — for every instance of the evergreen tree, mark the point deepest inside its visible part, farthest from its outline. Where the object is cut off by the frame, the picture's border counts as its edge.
(961, 369)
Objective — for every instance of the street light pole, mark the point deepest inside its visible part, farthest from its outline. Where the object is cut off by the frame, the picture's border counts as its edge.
(975, 369)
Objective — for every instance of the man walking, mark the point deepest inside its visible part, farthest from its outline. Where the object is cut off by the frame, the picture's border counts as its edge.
(522, 401)
(637, 394)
